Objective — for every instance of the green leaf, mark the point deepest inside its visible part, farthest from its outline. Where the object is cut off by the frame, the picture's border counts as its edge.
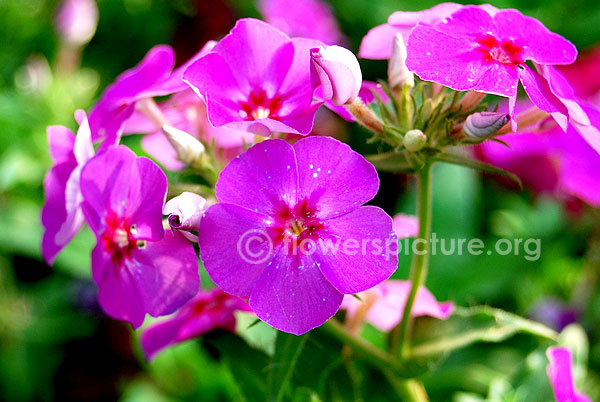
(466, 326)
(288, 348)
(246, 364)
(461, 160)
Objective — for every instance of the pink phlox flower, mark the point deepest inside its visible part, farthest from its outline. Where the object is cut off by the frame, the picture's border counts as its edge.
(138, 267)
(472, 49)
(291, 222)
(384, 305)
(549, 160)
(208, 310)
(253, 87)
(153, 76)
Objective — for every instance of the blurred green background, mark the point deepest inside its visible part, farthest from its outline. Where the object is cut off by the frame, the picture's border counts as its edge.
(55, 343)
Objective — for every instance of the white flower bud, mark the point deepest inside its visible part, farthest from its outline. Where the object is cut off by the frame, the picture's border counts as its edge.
(398, 74)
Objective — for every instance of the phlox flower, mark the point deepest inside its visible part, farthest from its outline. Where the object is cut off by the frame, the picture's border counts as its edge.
(472, 49)
(208, 310)
(561, 376)
(285, 220)
(138, 267)
(254, 87)
(551, 161)
(303, 18)
(383, 305)
(62, 217)
(584, 75)
(153, 76)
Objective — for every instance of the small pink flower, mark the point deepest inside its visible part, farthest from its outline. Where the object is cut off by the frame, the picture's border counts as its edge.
(385, 304)
(153, 76)
(551, 161)
(138, 267)
(207, 311)
(405, 225)
(337, 70)
(561, 376)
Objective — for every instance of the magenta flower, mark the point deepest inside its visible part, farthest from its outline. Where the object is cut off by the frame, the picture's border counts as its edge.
(207, 311)
(138, 268)
(552, 161)
(584, 75)
(582, 116)
(61, 214)
(561, 377)
(303, 18)
(472, 49)
(385, 302)
(290, 221)
(337, 71)
(153, 76)
(253, 87)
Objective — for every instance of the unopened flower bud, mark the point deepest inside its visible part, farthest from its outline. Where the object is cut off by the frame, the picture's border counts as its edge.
(337, 70)
(76, 21)
(185, 211)
(189, 149)
(484, 124)
(398, 74)
(414, 140)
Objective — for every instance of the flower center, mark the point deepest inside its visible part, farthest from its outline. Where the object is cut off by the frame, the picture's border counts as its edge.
(297, 227)
(504, 52)
(297, 223)
(260, 106)
(119, 238)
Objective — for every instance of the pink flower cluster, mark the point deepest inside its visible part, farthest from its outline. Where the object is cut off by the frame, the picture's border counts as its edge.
(260, 81)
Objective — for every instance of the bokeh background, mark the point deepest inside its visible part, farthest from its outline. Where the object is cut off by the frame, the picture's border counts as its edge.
(55, 343)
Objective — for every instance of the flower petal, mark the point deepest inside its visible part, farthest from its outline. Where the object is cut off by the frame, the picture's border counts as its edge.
(165, 273)
(241, 235)
(293, 296)
(358, 250)
(379, 41)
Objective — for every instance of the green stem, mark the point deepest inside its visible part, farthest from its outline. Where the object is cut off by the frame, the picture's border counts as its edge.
(418, 271)
(374, 355)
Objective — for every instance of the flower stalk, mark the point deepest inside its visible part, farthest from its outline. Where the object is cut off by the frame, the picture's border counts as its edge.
(400, 334)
